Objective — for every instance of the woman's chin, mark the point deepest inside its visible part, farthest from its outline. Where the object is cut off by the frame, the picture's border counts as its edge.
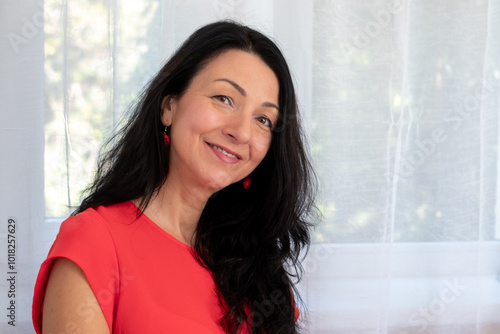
(214, 186)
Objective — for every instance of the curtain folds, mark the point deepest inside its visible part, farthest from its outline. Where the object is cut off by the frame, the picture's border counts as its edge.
(400, 103)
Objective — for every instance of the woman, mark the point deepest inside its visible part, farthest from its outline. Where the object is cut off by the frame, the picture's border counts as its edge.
(196, 218)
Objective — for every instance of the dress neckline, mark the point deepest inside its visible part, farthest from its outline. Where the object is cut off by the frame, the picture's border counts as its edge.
(156, 227)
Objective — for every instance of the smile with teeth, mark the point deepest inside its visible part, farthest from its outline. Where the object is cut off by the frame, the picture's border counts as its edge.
(223, 151)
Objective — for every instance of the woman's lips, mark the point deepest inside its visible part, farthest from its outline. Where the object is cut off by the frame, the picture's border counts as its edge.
(224, 154)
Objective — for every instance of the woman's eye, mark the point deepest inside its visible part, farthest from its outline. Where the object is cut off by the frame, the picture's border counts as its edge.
(224, 99)
(266, 121)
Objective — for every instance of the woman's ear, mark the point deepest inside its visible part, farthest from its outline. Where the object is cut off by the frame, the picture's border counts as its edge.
(166, 109)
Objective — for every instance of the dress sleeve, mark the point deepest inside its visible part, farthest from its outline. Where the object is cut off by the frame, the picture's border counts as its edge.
(84, 239)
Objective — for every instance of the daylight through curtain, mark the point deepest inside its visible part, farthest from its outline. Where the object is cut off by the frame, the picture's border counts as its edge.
(400, 103)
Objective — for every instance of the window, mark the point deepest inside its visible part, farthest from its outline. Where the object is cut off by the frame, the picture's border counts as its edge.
(95, 66)
(401, 103)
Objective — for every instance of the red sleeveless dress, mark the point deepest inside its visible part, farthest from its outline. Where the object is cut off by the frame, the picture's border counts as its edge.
(145, 280)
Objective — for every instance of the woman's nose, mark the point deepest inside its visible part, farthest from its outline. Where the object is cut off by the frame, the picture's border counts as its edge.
(239, 127)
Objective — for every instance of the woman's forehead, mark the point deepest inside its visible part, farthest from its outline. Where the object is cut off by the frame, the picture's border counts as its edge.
(250, 74)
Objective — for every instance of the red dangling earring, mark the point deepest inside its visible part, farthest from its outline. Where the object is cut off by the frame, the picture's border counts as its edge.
(247, 182)
(166, 138)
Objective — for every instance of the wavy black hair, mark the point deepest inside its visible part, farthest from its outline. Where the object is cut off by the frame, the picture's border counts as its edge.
(250, 239)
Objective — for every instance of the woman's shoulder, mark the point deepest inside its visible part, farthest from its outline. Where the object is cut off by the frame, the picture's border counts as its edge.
(87, 240)
(87, 231)
(101, 217)
(124, 210)
(95, 230)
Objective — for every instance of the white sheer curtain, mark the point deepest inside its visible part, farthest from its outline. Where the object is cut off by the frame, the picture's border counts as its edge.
(401, 102)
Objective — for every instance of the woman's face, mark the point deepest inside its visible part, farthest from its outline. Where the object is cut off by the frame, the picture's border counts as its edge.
(221, 127)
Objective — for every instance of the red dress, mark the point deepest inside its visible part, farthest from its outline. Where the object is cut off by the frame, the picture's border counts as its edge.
(145, 280)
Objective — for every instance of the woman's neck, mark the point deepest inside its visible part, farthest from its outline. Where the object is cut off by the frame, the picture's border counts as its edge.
(177, 208)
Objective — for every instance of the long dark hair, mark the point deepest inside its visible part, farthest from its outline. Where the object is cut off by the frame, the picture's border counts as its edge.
(250, 239)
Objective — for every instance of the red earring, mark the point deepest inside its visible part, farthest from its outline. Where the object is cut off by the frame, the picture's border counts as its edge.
(166, 138)
(247, 182)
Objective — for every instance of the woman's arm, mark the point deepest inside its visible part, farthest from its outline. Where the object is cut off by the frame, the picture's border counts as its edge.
(70, 305)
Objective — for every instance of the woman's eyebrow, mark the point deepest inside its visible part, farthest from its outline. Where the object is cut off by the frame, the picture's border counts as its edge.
(272, 105)
(244, 93)
(235, 85)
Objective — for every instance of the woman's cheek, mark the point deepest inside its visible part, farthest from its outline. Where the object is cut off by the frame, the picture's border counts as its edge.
(206, 116)
(261, 147)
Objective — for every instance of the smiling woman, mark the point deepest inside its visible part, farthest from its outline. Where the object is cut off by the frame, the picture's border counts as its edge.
(221, 125)
(169, 238)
